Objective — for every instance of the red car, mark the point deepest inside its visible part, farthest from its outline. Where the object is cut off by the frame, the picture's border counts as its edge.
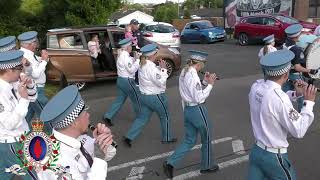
(255, 28)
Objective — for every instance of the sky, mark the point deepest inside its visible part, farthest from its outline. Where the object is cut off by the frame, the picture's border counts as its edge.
(152, 1)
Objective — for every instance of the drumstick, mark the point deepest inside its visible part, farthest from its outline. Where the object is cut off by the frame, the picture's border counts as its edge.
(202, 72)
(92, 128)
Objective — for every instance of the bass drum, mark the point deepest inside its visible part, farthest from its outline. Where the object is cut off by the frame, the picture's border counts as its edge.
(313, 58)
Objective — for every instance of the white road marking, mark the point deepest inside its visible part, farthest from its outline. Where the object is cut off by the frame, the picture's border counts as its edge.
(136, 173)
(160, 156)
(222, 165)
(237, 146)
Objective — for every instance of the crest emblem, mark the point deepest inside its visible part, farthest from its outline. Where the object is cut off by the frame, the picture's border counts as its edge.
(198, 86)
(36, 150)
(129, 65)
(293, 114)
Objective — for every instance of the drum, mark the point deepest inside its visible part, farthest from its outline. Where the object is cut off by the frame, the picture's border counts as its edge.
(313, 60)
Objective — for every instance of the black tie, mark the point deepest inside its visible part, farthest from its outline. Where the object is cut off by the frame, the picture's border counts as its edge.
(86, 155)
(14, 93)
(35, 58)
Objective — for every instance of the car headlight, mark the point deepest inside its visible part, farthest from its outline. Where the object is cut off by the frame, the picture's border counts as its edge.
(174, 50)
(224, 31)
(211, 34)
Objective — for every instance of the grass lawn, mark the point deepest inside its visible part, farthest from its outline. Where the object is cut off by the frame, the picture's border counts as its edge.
(51, 89)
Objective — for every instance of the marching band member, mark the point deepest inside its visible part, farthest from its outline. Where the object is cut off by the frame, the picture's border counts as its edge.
(195, 115)
(14, 102)
(29, 43)
(268, 47)
(293, 32)
(8, 43)
(152, 85)
(273, 117)
(126, 69)
(69, 116)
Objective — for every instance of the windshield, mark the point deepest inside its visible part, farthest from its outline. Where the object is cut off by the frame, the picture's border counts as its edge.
(205, 25)
(288, 20)
(160, 28)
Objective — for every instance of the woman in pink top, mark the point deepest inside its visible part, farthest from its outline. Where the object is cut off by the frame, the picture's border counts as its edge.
(129, 34)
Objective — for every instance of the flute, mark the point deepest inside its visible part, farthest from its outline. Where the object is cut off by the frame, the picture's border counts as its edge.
(301, 85)
(114, 144)
(203, 73)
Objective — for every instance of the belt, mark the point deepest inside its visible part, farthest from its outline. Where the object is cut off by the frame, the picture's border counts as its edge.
(41, 85)
(272, 150)
(148, 94)
(9, 140)
(192, 104)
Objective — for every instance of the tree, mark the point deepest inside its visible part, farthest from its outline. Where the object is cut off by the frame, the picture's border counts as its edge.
(166, 12)
(186, 14)
(196, 4)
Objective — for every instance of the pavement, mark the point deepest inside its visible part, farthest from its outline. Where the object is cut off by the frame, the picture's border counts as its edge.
(238, 67)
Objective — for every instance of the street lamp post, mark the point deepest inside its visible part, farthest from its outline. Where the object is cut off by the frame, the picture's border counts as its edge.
(178, 10)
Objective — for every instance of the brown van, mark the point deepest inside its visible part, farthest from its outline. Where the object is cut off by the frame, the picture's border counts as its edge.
(70, 59)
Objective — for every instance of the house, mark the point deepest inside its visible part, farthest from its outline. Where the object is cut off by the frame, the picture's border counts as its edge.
(125, 17)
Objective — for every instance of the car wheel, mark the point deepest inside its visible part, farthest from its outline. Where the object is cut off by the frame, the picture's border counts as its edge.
(203, 40)
(243, 39)
(80, 85)
(170, 66)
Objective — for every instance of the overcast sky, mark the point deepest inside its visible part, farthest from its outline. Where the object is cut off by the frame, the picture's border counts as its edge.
(152, 1)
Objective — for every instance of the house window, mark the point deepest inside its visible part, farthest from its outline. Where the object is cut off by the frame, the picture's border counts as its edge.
(314, 8)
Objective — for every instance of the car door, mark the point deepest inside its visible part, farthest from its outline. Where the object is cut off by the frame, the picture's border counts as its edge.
(69, 55)
(195, 32)
(252, 26)
(186, 32)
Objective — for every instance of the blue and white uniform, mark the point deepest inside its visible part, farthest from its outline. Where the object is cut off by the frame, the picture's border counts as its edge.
(127, 66)
(195, 117)
(273, 117)
(152, 85)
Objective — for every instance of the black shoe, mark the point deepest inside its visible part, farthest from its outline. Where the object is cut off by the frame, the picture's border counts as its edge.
(173, 140)
(168, 169)
(211, 170)
(107, 121)
(127, 141)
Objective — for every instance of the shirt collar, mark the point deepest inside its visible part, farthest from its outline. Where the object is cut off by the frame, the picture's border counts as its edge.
(5, 84)
(27, 51)
(273, 84)
(70, 141)
(193, 70)
(150, 63)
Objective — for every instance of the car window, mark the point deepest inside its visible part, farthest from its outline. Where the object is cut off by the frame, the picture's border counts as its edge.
(187, 26)
(254, 20)
(193, 26)
(268, 21)
(160, 28)
(53, 42)
(288, 20)
(205, 25)
(68, 41)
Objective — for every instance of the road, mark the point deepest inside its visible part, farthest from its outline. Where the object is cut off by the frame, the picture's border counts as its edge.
(238, 68)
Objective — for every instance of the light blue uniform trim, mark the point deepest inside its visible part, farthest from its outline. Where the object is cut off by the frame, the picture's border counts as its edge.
(266, 165)
(126, 87)
(149, 104)
(195, 121)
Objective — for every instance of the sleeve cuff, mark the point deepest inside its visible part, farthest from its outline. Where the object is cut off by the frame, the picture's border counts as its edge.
(308, 104)
(209, 87)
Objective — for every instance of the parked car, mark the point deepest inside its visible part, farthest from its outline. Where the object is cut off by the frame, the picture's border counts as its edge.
(202, 31)
(70, 59)
(195, 17)
(255, 28)
(162, 33)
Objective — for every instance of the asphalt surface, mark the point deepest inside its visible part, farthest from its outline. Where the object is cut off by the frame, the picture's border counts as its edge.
(238, 68)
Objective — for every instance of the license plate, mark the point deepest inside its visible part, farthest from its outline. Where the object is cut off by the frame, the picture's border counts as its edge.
(220, 36)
